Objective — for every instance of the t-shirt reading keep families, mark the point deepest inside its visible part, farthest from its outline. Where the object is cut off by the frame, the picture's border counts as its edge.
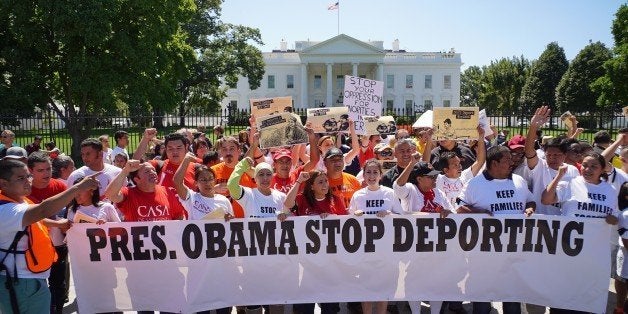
(198, 206)
(542, 175)
(500, 196)
(412, 200)
(258, 205)
(149, 206)
(582, 199)
(372, 202)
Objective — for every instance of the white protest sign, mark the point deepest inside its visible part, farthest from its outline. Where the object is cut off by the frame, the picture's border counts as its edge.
(483, 121)
(363, 97)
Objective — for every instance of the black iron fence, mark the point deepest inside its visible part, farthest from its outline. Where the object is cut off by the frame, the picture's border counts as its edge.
(54, 129)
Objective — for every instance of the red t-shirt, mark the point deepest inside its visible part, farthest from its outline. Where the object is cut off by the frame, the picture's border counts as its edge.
(334, 206)
(55, 186)
(167, 174)
(363, 156)
(285, 184)
(222, 176)
(149, 206)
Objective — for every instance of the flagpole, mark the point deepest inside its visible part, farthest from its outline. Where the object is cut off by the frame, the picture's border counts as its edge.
(338, 18)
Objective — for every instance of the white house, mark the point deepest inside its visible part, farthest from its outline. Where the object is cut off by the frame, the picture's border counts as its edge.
(313, 74)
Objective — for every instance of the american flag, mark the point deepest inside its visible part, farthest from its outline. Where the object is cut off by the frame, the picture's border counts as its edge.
(333, 6)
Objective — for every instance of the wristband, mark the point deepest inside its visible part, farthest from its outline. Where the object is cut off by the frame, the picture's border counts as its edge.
(531, 157)
(258, 157)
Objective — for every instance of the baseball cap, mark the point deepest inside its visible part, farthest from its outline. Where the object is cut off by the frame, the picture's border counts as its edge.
(380, 147)
(282, 153)
(334, 151)
(261, 166)
(517, 141)
(15, 152)
(424, 169)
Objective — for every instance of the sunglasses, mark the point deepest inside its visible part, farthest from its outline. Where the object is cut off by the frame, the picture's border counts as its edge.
(385, 153)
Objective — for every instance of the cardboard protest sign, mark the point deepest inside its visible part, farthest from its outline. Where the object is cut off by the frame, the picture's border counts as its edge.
(363, 97)
(328, 120)
(265, 106)
(455, 123)
(281, 129)
(625, 111)
(379, 125)
(569, 120)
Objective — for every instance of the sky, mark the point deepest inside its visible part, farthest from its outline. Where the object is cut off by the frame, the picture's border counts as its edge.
(481, 30)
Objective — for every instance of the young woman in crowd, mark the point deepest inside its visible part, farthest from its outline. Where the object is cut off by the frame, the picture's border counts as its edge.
(362, 203)
(315, 199)
(88, 203)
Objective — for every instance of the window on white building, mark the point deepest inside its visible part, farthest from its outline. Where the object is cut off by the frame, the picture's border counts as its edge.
(390, 104)
(409, 106)
(390, 81)
(318, 103)
(409, 81)
(271, 81)
(447, 81)
(290, 81)
(317, 81)
(340, 81)
(427, 104)
(428, 81)
(446, 103)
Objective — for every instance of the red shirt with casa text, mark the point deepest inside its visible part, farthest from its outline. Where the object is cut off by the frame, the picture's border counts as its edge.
(168, 169)
(149, 206)
(55, 186)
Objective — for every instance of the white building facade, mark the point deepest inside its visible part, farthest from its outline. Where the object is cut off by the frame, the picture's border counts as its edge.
(313, 74)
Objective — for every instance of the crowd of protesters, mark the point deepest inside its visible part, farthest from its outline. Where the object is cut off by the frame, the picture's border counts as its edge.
(186, 176)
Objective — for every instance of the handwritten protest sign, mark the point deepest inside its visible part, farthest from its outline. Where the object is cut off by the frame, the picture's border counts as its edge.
(282, 129)
(483, 121)
(455, 123)
(363, 97)
(379, 125)
(265, 106)
(327, 120)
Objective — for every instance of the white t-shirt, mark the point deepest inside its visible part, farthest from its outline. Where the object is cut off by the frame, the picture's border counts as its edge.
(106, 156)
(372, 202)
(412, 199)
(542, 175)
(105, 211)
(11, 215)
(500, 196)
(258, 205)
(582, 199)
(623, 223)
(452, 187)
(198, 206)
(108, 174)
(617, 178)
(524, 171)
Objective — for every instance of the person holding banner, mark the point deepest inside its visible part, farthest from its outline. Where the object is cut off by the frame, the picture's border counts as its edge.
(497, 192)
(29, 294)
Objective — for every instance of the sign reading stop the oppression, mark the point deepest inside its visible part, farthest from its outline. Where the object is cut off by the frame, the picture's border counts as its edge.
(363, 97)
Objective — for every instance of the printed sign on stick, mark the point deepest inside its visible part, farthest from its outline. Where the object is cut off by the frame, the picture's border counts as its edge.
(282, 129)
(380, 125)
(455, 123)
(265, 106)
(363, 97)
(328, 120)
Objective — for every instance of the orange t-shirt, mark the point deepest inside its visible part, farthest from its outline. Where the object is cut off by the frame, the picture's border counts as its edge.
(222, 176)
(344, 187)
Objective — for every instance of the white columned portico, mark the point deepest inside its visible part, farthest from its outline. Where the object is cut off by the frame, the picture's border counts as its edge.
(330, 85)
(380, 72)
(304, 87)
(354, 68)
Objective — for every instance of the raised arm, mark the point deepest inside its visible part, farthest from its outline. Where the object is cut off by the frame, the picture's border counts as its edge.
(429, 144)
(292, 194)
(549, 194)
(481, 152)
(52, 205)
(622, 139)
(355, 144)
(179, 175)
(315, 154)
(541, 115)
(233, 184)
(114, 190)
(405, 174)
(142, 147)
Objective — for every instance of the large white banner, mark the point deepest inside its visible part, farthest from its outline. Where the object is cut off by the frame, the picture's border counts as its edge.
(189, 266)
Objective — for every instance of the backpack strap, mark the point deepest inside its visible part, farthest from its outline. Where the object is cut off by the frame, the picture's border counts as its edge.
(9, 285)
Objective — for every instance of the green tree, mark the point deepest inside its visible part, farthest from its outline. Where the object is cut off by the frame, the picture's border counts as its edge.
(471, 86)
(82, 58)
(223, 52)
(574, 91)
(545, 74)
(613, 86)
(505, 78)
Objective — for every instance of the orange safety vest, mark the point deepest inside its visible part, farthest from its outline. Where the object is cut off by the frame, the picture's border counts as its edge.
(41, 253)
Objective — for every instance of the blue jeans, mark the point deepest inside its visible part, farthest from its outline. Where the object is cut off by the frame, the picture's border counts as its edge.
(33, 295)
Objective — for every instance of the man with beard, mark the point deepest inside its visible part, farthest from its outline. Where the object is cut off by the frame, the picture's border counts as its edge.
(229, 150)
(177, 145)
(404, 148)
